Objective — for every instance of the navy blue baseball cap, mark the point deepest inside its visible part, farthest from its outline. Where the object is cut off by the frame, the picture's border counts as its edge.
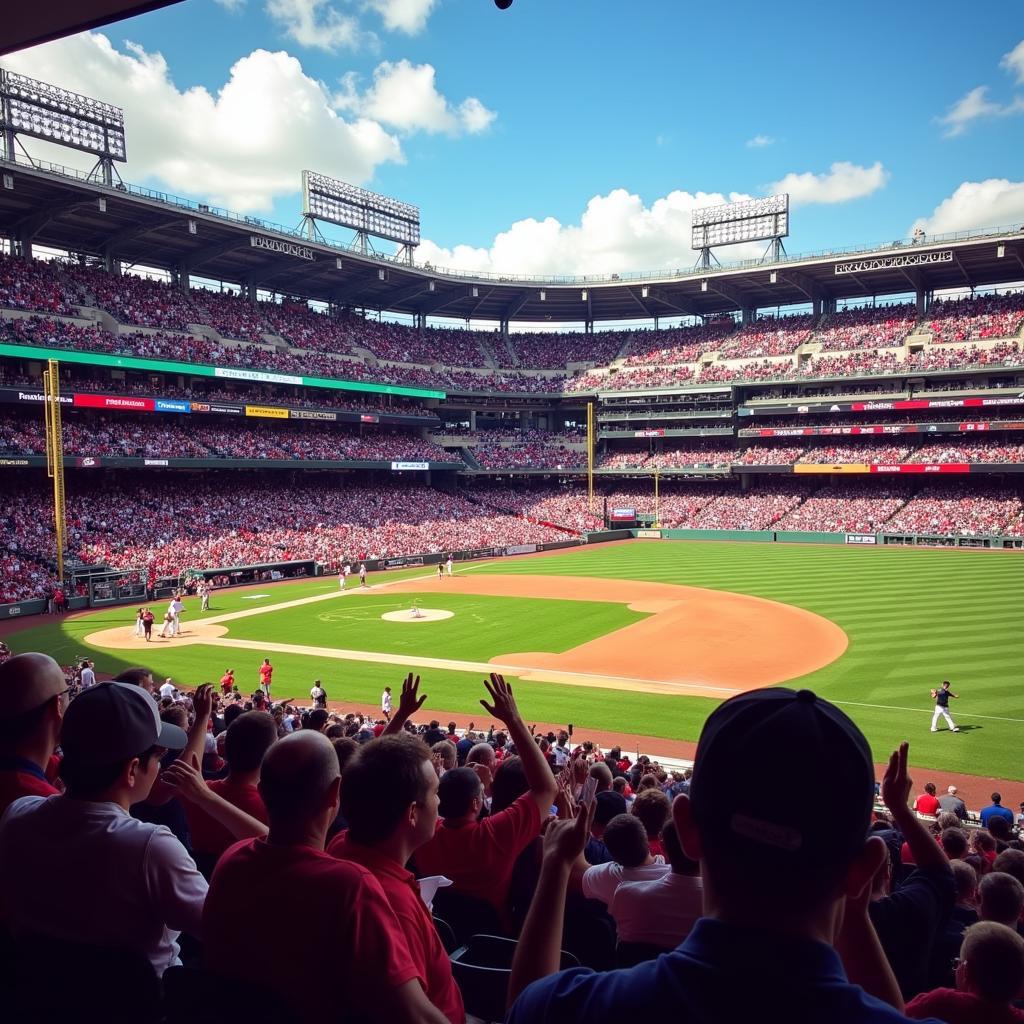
(783, 775)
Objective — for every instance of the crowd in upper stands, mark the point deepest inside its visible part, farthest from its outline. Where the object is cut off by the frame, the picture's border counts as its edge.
(348, 346)
(159, 437)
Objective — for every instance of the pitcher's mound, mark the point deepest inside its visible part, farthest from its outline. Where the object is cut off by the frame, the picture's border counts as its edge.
(421, 615)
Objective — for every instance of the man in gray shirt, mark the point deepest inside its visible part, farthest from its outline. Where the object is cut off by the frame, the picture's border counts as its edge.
(949, 801)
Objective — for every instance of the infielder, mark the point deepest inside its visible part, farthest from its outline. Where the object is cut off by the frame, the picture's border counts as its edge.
(941, 698)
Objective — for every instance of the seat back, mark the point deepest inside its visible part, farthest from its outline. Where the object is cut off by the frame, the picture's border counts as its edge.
(197, 996)
(466, 915)
(482, 969)
(56, 980)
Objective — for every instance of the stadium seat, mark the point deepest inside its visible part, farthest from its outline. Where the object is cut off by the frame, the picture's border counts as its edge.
(482, 968)
(465, 915)
(53, 981)
(447, 936)
(194, 996)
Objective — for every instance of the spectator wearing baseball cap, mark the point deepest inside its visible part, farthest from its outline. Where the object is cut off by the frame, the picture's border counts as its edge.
(786, 885)
(33, 696)
(127, 883)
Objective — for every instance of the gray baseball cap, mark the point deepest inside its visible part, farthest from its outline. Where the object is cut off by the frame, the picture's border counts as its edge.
(115, 722)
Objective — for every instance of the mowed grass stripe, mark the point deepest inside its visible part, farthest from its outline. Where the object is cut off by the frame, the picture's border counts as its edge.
(913, 617)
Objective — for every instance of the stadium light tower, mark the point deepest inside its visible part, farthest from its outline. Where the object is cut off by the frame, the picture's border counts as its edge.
(37, 110)
(367, 213)
(753, 221)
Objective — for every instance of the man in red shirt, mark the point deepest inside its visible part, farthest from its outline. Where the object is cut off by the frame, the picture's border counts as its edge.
(227, 681)
(927, 802)
(248, 738)
(33, 696)
(989, 976)
(478, 856)
(335, 930)
(266, 672)
(389, 799)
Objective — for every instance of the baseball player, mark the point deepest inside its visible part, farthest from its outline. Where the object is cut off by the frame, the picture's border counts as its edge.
(449, 565)
(362, 574)
(941, 698)
(385, 703)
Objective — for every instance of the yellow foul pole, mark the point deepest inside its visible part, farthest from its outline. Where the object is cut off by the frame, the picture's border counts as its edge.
(590, 456)
(657, 498)
(55, 455)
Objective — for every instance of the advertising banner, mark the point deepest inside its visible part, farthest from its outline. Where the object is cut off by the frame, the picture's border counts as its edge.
(156, 462)
(14, 462)
(266, 412)
(861, 538)
(122, 403)
(172, 405)
(844, 467)
(622, 514)
(312, 414)
(648, 433)
(89, 462)
(925, 467)
(395, 466)
(521, 549)
(649, 534)
(978, 402)
(33, 397)
(369, 418)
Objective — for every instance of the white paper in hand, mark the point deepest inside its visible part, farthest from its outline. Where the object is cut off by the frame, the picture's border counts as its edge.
(589, 794)
(429, 887)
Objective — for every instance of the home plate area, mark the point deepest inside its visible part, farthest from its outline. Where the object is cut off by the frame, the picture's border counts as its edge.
(417, 614)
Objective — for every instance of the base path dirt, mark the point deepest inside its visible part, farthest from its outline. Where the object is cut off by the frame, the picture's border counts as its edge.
(696, 641)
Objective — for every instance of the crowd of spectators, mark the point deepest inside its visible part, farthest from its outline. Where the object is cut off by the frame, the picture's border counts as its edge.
(983, 316)
(853, 507)
(768, 336)
(957, 509)
(158, 437)
(678, 344)
(956, 450)
(866, 327)
(186, 812)
(756, 509)
(694, 454)
(529, 455)
(37, 287)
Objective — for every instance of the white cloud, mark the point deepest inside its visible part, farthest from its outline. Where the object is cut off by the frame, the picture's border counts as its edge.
(616, 233)
(976, 204)
(240, 147)
(405, 96)
(318, 24)
(231, 5)
(409, 16)
(1013, 62)
(974, 105)
(760, 141)
(843, 182)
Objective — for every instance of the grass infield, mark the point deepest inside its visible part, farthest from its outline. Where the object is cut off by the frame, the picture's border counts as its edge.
(913, 616)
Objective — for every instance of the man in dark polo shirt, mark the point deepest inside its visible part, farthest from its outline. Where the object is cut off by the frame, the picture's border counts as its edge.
(785, 885)
(389, 799)
(33, 696)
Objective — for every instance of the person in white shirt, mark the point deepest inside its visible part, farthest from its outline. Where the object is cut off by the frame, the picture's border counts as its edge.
(204, 593)
(662, 911)
(140, 628)
(448, 565)
(132, 883)
(318, 695)
(362, 575)
(176, 608)
(168, 689)
(87, 674)
(385, 703)
(626, 840)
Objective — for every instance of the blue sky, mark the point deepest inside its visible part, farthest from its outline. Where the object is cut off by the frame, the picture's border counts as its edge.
(533, 113)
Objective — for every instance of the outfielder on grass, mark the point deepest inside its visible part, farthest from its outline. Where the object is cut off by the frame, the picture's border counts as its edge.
(941, 698)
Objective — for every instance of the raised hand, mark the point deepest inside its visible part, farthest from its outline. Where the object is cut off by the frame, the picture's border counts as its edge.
(202, 701)
(504, 703)
(185, 778)
(565, 839)
(484, 774)
(410, 701)
(896, 783)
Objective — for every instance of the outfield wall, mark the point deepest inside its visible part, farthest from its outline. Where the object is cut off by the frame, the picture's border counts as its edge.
(814, 537)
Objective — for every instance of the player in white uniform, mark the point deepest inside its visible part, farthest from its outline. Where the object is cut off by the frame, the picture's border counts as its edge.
(448, 565)
(362, 574)
(385, 703)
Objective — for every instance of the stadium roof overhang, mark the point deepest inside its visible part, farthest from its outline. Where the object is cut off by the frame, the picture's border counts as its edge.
(28, 24)
(65, 211)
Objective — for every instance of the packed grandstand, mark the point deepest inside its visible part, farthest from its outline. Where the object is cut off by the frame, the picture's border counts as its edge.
(501, 460)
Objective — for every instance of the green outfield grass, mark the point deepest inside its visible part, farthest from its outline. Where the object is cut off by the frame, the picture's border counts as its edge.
(481, 628)
(913, 616)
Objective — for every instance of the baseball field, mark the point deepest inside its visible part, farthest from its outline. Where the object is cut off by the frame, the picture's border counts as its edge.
(639, 638)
